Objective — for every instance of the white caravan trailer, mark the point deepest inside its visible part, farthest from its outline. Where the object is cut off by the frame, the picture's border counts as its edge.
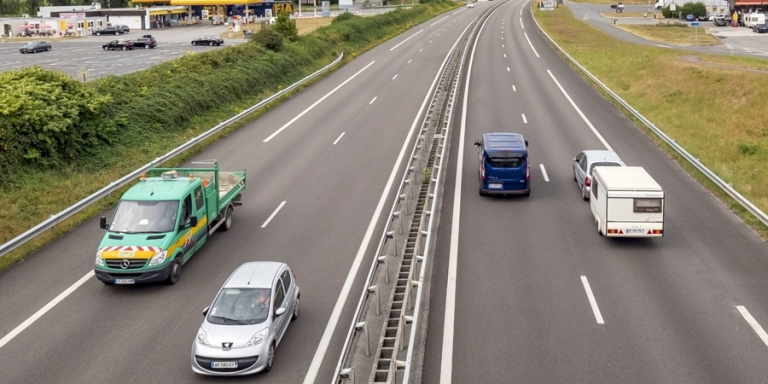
(627, 202)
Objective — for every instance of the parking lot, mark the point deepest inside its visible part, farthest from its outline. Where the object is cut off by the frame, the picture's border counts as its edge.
(72, 55)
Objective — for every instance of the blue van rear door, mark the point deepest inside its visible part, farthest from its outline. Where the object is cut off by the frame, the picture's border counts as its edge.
(507, 167)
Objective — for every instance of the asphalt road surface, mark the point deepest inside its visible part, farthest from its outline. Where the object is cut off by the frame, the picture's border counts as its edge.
(739, 41)
(72, 55)
(329, 153)
(539, 296)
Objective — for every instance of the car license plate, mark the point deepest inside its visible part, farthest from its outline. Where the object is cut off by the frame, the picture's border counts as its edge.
(125, 281)
(634, 231)
(494, 186)
(224, 364)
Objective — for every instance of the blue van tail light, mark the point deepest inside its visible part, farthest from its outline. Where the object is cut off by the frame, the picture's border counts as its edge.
(482, 171)
(527, 171)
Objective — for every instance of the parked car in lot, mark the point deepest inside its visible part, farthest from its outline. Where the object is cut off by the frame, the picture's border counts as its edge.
(703, 18)
(721, 22)
(503, 167)
(208, 40)
(690, 17)
(146, 42)
(760, 28)
(247, 320)
(122, 28)
(118, 44)
(108, 31)
(35, 46)
(586, 161)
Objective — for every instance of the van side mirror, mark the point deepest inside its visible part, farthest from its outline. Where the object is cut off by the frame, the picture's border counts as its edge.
(477, 143)
(526, 143)
(205, 311)
(103, 222)
(279, 312)
(193, 221)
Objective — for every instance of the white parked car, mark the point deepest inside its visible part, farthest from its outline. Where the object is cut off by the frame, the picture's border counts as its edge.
(470, 5)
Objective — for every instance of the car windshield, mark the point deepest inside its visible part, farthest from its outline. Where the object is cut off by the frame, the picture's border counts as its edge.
(240, 306)
(145, 217)
(505, 159)
(30, 45)
(592, 168)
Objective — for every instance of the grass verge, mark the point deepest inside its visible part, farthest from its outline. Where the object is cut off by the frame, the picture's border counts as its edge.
(676, 33)
(34, 195)
(625, 15)
(625, 2)
(715, 113)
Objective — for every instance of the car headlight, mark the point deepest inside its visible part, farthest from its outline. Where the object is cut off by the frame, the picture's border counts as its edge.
(258, 338)
(99, 260)
(202, 338)
(158, 258)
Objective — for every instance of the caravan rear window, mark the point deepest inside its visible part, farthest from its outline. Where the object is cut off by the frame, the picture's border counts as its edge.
(647, 205)
(505, 159)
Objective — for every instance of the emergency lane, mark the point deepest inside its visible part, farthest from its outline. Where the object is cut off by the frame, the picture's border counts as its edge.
(144, 333)
(534, 279)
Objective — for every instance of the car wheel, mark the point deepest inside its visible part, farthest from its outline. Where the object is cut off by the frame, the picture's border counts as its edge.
(228, 219)
(270, 357)
(146, 47)
(175, 274)
(209, 43)
(574, 176)
(117, 33)
(193, 43)
(480, 191)
(125, 48)
(47, 49)
(584, 194)
(98, 33)
(296, 309)
(104, 48)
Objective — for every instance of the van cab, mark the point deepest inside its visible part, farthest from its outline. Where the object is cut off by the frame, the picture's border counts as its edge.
(504, 168)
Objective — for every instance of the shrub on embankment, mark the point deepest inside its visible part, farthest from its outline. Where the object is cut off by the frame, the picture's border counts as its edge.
(61, 140)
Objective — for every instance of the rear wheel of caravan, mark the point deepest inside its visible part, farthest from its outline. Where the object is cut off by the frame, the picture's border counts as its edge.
(599, 230)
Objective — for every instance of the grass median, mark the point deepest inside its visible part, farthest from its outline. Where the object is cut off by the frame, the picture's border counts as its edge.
(716, 112)
(672, 33)
(31, 193)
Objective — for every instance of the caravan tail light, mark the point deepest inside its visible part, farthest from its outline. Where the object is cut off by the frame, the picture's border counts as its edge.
(615, 231)
(656, 232)
(588, 181)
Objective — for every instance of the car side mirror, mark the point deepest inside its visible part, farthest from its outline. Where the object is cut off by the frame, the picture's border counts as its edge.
(477, 143)
(103, 222)
(279, 312)
(526, 143)
(193, 221)
(574, 159)
(205, 311)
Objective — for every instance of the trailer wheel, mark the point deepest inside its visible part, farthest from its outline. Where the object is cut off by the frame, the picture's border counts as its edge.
(228, 219)
(599, 231)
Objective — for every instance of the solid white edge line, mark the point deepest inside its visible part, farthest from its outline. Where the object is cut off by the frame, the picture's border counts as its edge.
(446, 363)
(583, 117)
(316, 103)
(374, 99)
(750, 320)
(272, 216)
(521, 11)
(402, 42)
(438, 21)
(524, 119)
(333, 321)
(514, 89)
(529, 43)
(521, 22)
(16, 331)
(395, 77)
(592, 300)
(544, 172)
(340, 136)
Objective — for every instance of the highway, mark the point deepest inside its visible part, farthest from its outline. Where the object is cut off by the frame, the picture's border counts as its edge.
(524, 290)
(329, 153)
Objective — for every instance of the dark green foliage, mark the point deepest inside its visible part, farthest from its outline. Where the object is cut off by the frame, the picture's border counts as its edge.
(285, 26)
(269, 39)
(697, 9)
(343, 17)
(47, 118)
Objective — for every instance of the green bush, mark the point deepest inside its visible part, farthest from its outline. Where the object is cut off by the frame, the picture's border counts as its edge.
(269, 39)
(285, 26)
(697, 9)
(343, 17)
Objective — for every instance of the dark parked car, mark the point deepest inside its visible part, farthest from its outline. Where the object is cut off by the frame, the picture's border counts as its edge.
(208, 40)
(720, 22)
(108, 31)
(123, 28)
(118, 44)
(690, 17)
(35, 46)
(146, 42)
(760, 28)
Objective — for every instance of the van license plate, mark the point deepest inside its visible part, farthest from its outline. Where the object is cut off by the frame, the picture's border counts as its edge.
(634, 231)
(125, 281)
(494, 186)
(224, 364)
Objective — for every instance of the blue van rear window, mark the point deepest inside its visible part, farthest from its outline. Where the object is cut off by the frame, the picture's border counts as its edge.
(505, 159)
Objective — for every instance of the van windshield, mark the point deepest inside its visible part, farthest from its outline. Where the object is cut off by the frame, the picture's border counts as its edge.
(145, 216)
(505, 159)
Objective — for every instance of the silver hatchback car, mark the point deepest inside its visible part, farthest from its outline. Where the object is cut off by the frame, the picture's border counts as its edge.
(247, 320)
(586, 161)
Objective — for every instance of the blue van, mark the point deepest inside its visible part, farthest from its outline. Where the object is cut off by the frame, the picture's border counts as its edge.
(504, 167)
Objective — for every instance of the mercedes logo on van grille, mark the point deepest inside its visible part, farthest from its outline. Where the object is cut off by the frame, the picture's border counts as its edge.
(125, 264)
(226, 346)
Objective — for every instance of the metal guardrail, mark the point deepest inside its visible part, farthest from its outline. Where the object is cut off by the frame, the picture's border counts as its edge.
(726, 187)
(82, 204)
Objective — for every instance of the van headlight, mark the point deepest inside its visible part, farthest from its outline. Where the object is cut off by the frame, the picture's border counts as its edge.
(158, 258)
(99, 260)
(202, 337)
(258, 338)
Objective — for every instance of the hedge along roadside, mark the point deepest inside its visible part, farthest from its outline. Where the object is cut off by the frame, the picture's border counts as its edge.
(137, 145)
